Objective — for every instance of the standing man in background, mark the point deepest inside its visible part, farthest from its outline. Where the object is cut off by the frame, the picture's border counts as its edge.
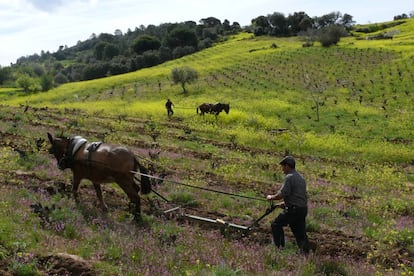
(293, 192)
(168, 106)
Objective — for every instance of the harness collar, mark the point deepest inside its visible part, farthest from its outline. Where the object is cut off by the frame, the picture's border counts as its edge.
(75, 144)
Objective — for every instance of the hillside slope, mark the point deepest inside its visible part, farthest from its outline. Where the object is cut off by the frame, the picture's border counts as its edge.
(357, 158)
(362, 89)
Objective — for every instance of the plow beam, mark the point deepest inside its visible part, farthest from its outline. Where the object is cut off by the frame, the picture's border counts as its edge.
(218, 222)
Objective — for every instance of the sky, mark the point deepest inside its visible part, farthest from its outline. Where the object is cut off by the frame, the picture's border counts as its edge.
(30, 26)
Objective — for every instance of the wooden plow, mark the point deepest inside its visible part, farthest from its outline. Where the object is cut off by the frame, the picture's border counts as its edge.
(181, 212)
(220, 223)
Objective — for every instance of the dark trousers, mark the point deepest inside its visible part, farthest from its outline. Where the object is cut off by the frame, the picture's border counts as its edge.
(295, 217)
(170, 112)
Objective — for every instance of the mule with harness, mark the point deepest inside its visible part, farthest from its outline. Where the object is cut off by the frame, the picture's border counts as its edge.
(213, 108)
(101, 163)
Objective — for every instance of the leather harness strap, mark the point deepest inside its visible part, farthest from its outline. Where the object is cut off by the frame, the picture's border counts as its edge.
(92, 148)
(74, 146)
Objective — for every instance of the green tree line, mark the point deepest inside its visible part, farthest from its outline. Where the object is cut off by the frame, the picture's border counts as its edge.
(112, 54)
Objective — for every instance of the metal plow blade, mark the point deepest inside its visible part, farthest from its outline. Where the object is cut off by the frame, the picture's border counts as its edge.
(217, 222)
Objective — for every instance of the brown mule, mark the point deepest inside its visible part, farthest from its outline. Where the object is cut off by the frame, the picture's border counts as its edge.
(213, 108)
(100, 163)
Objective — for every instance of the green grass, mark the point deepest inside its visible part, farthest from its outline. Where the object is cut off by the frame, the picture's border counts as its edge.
(357, 158)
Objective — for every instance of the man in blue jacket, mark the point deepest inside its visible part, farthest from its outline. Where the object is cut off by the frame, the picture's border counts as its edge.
(293, 192)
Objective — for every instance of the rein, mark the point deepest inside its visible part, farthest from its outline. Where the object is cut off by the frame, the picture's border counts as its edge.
(200, 188)
(177, 182)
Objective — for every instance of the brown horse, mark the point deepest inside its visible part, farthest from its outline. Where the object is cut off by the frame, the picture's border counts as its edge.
(213, 108)
(100, 163)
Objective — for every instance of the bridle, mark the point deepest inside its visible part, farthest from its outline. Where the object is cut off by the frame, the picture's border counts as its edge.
(68, 157)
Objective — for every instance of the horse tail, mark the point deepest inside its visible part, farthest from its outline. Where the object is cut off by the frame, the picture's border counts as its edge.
(197, 110)
(145, 181)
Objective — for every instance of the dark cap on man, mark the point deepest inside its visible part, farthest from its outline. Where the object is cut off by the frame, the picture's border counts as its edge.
(288, 160)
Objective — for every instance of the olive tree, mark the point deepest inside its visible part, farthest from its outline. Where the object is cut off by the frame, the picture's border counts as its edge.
(331, 35)
(184, 75)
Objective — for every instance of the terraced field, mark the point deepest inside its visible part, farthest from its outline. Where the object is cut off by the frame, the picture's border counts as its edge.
(344, 112)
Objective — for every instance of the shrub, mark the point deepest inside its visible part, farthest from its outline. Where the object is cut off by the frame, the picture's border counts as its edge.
(28, 83)
(331, 35)
(183, 51)
(205, 43)
(60, 79)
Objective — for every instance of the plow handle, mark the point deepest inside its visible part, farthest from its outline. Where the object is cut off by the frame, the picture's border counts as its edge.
(269, 210)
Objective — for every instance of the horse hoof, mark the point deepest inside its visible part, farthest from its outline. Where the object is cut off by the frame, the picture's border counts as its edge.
(138, 219)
